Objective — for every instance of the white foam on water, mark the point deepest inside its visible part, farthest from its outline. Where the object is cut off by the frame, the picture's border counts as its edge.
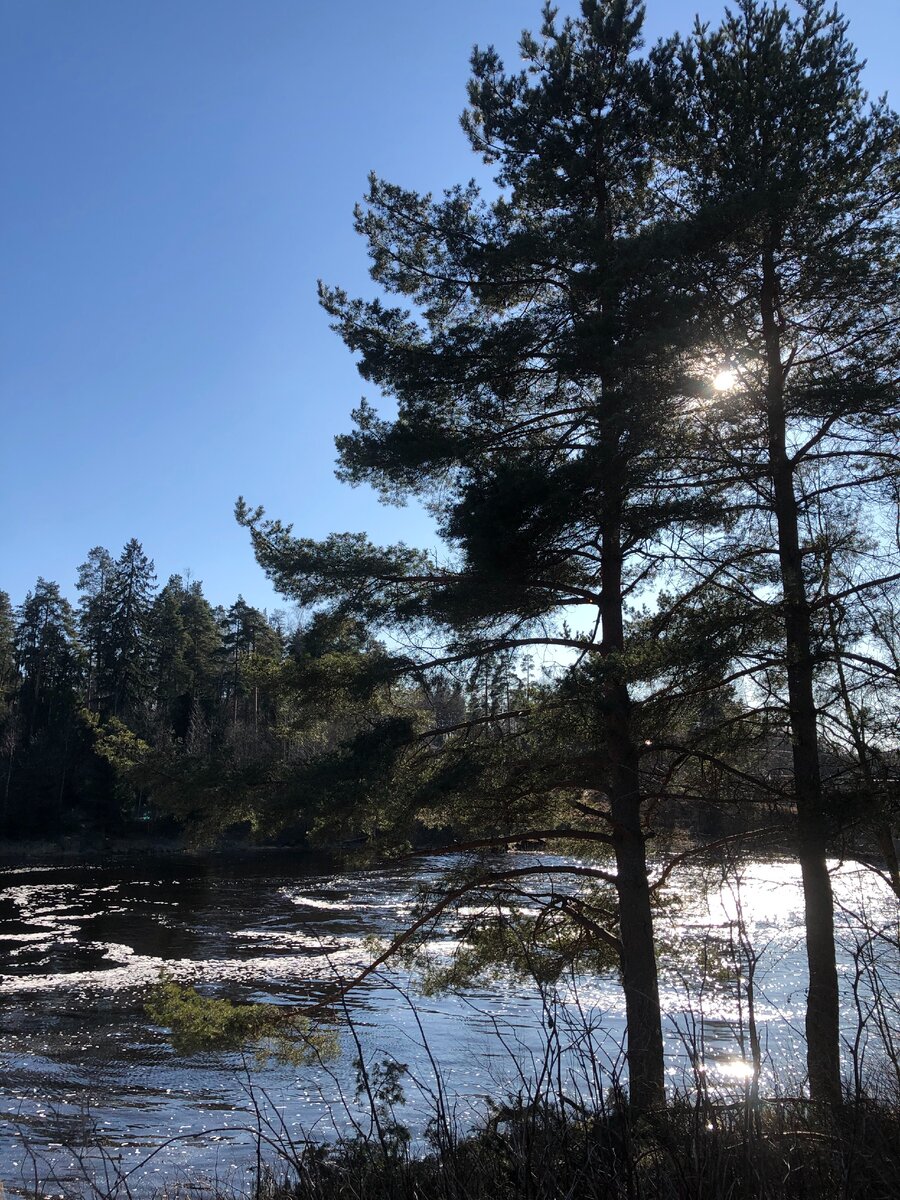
(286, 937)
(314, 902)
(387, 904)
(24, 937)
(134, 970)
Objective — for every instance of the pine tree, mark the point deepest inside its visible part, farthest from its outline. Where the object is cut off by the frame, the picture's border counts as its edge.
(539, 383)
(790, 179)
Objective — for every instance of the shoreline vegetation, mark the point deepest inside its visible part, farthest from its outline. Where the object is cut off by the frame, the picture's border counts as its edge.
(544, 1142)
(78, 849)
(120, 851)
(88, 848)
(531, 1151)
(645, 383)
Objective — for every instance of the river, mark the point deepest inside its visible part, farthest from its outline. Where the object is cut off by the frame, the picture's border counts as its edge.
(92, 1088)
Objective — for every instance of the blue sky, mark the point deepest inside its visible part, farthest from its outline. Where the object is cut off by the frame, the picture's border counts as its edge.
(176, 174)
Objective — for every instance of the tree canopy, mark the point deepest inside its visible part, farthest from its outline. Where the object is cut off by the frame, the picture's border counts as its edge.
(717, 214)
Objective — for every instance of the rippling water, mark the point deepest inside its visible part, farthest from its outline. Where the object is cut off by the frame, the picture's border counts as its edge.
(82, 1066)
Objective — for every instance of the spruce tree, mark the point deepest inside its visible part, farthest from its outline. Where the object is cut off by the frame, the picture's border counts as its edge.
(130, 598)
(185, 650)
(248, 640)
(202, 650)
(167, 644)
(7, 652)
(48, 658)
(95, 582)
(8, 689)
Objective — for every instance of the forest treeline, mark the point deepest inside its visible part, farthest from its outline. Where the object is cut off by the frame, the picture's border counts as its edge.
(121, 710)
(132, 707)
(129, 666)
(136, 674)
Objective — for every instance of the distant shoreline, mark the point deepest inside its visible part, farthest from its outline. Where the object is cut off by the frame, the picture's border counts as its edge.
(76, 849)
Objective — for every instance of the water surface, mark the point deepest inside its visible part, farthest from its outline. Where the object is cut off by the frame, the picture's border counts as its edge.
(83, 1066)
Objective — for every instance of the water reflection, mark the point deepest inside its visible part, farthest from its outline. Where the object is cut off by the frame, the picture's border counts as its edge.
(78, 945)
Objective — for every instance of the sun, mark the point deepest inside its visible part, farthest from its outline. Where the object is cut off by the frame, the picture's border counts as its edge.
(725, 381)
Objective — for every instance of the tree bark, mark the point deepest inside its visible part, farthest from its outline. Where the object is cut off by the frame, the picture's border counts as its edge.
(822, 1007)
(644, 1050)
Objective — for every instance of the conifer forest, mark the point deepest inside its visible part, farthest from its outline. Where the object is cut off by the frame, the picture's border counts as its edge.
(642, 373)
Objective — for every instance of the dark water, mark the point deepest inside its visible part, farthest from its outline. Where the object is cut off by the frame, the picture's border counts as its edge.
(91, 1088)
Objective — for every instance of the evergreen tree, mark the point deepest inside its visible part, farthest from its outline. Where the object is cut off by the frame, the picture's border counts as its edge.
(248, 643)
(792, 182)
(43, 740)
(167, 642)
(48, 657)
(7, 653)
(130, 598)
(95, 582)
(202, 650)
(8, 689)
(184, 650)
(539, 384)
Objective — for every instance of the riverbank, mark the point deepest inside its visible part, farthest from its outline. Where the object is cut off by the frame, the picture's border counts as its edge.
(547, 1149)
(75, 849)
(770, 1152)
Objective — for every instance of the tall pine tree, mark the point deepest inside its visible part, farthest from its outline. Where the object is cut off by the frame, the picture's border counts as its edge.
(539, 384)
(791, 181)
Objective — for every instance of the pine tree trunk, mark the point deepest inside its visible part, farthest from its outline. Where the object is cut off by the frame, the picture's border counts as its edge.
(877, 812)
(822, 1008)
(642, 1010)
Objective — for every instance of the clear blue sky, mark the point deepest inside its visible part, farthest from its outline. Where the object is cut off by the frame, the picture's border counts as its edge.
(176, 174)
